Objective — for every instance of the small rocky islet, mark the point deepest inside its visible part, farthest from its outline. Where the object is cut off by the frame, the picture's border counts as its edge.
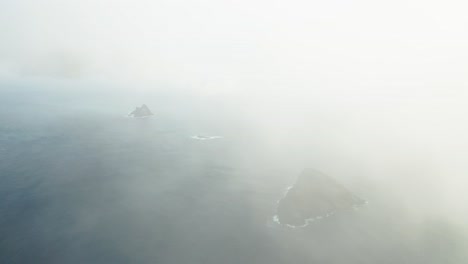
(140, 112)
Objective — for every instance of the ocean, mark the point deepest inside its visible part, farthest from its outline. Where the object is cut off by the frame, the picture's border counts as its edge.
(80, 182)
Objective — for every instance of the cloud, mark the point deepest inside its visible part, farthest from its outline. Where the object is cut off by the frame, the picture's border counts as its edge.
(232, 46)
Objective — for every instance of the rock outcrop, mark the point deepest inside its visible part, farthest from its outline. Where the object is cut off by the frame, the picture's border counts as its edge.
(142, 111)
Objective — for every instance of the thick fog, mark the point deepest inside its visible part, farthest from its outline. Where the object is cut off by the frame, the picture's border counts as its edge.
(371, 93)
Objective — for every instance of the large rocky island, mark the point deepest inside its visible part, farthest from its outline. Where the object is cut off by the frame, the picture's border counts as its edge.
(313, 196)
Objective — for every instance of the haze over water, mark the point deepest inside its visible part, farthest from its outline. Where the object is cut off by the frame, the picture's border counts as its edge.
(81, 182)
(246, 96)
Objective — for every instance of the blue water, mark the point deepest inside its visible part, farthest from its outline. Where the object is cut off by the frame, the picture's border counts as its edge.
(89, 186)
(82, 183)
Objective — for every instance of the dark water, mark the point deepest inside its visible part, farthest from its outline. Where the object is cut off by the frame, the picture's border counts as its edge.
(79, 184)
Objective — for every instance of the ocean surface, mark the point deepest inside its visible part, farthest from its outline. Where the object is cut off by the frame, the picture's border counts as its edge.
(82, 183)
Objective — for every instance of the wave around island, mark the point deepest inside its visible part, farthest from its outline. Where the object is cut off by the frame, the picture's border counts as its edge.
(307, 221)
(198, 137)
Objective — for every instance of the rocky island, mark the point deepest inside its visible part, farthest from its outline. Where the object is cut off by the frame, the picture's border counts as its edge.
(313, 196)
(142, 111)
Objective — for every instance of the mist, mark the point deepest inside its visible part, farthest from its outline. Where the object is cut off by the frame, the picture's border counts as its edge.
(372, 94)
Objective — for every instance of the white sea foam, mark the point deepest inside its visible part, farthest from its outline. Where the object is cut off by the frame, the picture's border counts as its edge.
(138, 117)
(199, 137)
